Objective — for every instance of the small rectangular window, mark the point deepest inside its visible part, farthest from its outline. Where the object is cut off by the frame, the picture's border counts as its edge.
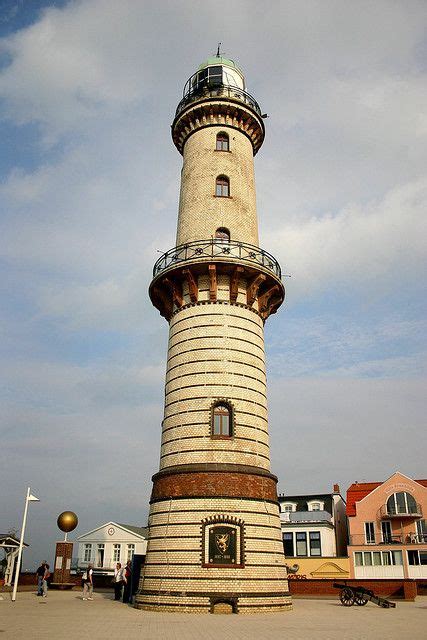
(370, 532)
(88, 553)
(288, 544)
(116, 553)
(386, 558)
(358, 559)
(413, 557)
(301, 544)
(376, 556)
(367, 559)
(396, 557)
(315, 549)
(423, 557)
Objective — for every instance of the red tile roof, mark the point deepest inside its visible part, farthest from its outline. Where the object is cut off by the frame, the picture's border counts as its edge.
(358, 490)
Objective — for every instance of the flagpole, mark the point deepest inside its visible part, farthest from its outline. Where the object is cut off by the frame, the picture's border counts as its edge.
(21, 543)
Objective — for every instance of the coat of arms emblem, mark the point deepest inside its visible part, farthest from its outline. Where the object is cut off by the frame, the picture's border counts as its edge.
(222, 540)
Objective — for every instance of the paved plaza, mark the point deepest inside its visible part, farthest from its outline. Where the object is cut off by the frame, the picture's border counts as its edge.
(64, 615)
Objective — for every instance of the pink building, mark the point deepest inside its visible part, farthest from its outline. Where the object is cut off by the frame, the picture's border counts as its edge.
(388, 533)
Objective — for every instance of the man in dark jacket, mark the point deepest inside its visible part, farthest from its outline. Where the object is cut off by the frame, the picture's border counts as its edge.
(40, 574)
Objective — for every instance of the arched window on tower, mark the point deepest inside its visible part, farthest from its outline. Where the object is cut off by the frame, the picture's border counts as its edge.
(221, 420)
(222, 187)
(222, 234)
(222, 142)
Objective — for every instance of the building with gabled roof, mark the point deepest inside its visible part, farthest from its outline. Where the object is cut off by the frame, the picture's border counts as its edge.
(110, 543)
(387, 527)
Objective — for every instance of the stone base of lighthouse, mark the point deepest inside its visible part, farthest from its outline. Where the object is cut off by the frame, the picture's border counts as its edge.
(182, 572)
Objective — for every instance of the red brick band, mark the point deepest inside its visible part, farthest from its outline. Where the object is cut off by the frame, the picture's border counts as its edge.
(213, 483)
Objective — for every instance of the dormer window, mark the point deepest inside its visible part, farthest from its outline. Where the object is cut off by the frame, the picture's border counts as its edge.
(288, 507)
(222, 142)
(222, 189)
(315, 505)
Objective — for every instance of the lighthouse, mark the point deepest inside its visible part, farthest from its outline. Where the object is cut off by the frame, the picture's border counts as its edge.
(214, 542)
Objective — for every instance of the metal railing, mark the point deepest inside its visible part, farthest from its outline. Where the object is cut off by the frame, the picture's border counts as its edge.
(217, 249)
(408, 538)
(218, 91)
(411, 511)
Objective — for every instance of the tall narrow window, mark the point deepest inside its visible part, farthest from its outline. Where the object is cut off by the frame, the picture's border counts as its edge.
(88, 553)
(131, 551)
(222, 234)
(221, 420)
(370, 532)
(116, 553)
(222, 187)
(222, 142)
(288, 544)
(301, 544)
(315, 549)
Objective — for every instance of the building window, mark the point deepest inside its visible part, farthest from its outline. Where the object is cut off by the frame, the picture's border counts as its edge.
(370, 532)
(315, 549)
(221, 420)
(88, 553)
(131, 551)
(421, 535)
(378, 558)
(222, 187)
(116, 553)
(301, 544)
(101, 552)
(288, 544)
(222, 234)
(386, 531)
(401, 502)
(315, 505)
(222, 142)
(416, 558)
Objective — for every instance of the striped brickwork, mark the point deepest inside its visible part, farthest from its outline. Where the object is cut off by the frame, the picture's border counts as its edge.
(216, 309)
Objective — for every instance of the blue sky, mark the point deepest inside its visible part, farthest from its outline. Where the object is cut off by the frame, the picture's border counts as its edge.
(89, 185)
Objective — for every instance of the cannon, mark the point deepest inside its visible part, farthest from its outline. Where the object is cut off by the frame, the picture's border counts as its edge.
(360, 596)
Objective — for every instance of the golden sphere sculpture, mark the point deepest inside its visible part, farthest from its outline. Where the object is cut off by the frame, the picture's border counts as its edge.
(67, 521)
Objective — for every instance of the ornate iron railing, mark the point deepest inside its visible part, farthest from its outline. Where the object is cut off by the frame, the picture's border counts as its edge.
(410, 511)
(216, 249)
(219, 91)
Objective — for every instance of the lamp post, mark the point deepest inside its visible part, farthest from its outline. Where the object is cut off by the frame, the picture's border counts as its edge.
(29, 498)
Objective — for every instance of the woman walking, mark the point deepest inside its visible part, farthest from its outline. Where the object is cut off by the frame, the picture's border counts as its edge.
(46, 577)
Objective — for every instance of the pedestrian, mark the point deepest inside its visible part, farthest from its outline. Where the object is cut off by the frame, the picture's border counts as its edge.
(40, 574)
(87, 581)
(118, 581)
(46, 577)
(127, 585)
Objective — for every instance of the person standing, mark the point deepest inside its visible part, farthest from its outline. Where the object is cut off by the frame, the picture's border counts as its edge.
(88, 583)
(46, 577)
(118, 581)
(127, 584)
(40, 574)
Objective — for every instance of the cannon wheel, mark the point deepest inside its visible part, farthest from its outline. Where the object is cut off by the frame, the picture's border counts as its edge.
(347, 597)
(360, 600)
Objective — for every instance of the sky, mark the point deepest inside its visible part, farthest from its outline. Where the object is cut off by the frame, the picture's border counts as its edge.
(89, 187)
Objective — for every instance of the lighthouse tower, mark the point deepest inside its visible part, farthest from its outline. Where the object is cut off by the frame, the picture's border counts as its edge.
(214, 531)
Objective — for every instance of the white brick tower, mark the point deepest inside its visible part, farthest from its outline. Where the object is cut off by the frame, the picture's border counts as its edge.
(214, 531)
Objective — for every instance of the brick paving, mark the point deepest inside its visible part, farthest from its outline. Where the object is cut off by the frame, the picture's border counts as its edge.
(63, 615)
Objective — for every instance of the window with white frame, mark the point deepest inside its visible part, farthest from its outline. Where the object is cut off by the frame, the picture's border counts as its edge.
(131, 551)
(315, 548)
(377, 558)
(401, 502)
(315, 505)
(288, 507)
(116, 553)
(301, 543)
(416, 557)
(386, 531)
(370, 532)
(288, 544)
(421, 535)
(87, 553)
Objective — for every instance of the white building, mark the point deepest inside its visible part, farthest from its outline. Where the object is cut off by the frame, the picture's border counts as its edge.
(110, 543)
(314, 525)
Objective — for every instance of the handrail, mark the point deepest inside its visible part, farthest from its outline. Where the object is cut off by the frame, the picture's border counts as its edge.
(219, 91)
(388, 511)
(217, 249)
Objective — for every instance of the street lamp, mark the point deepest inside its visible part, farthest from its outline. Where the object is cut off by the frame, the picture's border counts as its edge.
(29, 498)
